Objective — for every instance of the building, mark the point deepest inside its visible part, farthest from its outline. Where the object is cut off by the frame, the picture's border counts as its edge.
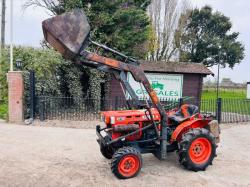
(228, 83)
(185, 80)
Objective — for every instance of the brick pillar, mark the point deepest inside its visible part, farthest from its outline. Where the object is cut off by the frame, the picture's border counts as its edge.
(16, 95)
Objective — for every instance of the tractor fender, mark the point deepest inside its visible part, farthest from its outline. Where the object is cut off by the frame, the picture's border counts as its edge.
(185, 126)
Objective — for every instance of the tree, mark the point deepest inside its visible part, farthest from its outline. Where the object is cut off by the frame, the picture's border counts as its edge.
(120, 24)
(165, 16)
(123, 25)
(207, 38)
(45, 63)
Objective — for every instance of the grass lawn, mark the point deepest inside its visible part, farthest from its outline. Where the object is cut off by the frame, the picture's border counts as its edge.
(233, 101)
(224, 93)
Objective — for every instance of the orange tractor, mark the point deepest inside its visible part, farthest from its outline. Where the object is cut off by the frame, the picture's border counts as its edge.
(148, 128)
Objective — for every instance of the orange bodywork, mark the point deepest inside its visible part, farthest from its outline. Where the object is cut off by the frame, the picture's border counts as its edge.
(192, 123)
(142, 118)
(130, 116)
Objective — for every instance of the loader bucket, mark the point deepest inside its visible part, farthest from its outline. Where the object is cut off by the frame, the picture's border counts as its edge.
(67, 33)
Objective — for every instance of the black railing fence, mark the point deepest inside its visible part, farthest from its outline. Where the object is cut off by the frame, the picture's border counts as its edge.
(68, 108)
(235, 110)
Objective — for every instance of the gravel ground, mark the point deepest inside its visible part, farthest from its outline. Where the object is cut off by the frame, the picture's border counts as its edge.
(48, 156)
(67, 124)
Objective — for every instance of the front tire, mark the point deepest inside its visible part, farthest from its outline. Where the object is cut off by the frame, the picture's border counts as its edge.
(106, 151)
(197, 149)
(126, 162)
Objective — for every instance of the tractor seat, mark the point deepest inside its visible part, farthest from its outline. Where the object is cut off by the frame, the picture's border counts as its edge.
(184, 113)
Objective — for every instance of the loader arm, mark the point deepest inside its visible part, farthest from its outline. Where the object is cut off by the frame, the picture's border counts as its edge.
(112, 65)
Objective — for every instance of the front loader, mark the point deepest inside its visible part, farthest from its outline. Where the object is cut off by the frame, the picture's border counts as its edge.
(148, 128)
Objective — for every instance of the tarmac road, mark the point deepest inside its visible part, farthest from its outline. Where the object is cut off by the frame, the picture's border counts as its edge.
(50, 156)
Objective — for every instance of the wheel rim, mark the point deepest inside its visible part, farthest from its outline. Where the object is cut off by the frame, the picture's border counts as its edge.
(129, 165)
(200, 150)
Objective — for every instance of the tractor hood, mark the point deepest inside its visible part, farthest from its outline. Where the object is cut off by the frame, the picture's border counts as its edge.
(129, 115)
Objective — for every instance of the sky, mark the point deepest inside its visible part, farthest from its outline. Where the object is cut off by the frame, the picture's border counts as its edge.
(28, 31)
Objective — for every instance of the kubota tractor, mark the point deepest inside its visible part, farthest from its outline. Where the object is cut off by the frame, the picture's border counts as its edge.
(147, 129)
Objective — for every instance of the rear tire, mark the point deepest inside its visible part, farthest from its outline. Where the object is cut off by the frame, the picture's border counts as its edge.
(197, 149)
(126, 162)
(106, 151)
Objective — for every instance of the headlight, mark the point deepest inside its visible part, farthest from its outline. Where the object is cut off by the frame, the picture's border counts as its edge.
(112, 120)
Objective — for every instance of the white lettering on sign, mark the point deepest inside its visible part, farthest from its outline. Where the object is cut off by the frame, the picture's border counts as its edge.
(167, 86)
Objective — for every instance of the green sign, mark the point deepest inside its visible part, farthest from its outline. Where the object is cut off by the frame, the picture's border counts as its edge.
(167, 86)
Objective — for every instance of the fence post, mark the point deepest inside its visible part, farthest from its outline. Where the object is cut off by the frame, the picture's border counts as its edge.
(15, 95)
(32, 94)
(116, 102)
(180, 102)
(41, 109)
(219, 109)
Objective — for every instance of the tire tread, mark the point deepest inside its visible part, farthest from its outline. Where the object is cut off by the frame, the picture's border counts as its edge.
(118, 155)
(186, 141)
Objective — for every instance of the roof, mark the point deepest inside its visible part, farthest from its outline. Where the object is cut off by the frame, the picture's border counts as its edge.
(175, 67)
(248, 82)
